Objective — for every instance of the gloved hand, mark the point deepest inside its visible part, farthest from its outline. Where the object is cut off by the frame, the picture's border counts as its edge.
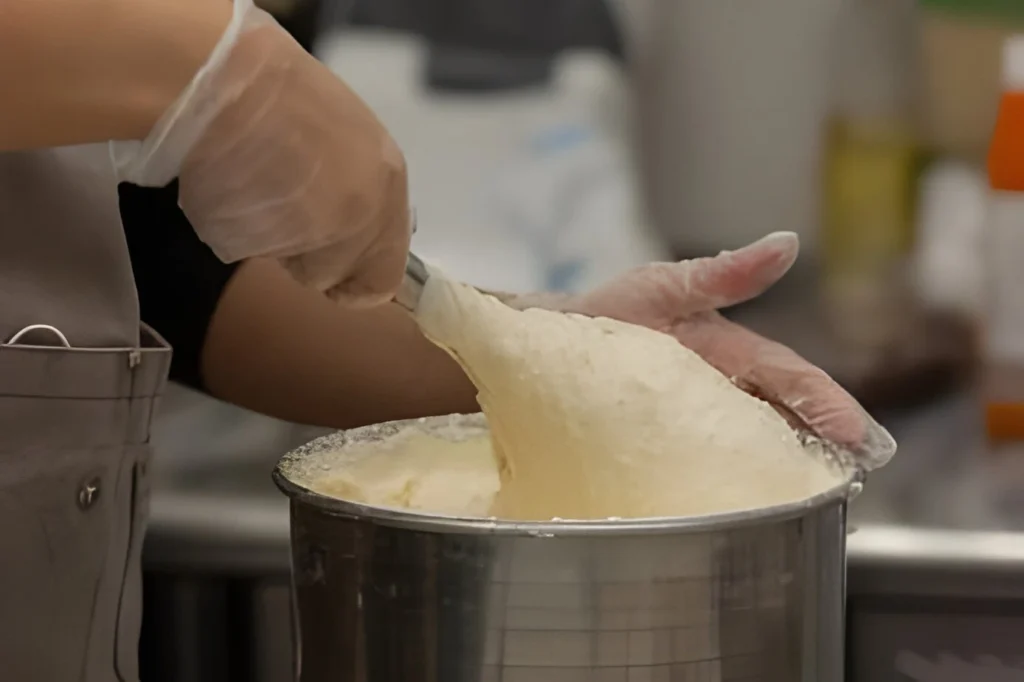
(682, 299)
(278, 158)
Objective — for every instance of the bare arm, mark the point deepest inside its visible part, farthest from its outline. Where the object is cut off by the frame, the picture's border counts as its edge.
(78, 71)
(278, 348)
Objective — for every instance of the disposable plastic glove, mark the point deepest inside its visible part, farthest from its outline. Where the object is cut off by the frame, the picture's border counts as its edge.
(278, 158)
(682, 299)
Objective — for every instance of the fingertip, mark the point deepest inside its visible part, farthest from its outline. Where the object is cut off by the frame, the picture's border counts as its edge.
(741, 275)
(778, 375)
(784, 246)
(877, 447)
(787, 236)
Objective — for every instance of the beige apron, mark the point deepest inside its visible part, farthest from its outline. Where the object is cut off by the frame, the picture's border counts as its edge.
(74, 422)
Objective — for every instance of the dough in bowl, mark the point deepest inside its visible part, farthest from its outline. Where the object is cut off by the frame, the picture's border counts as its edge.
(429, 471)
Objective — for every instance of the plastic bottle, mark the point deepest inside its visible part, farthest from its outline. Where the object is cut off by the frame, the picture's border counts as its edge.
(1004, 254)
(949, 267)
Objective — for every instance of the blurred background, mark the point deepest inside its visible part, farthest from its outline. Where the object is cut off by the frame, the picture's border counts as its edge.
(555, 143)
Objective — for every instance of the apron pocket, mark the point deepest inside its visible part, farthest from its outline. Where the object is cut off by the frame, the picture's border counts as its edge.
(73, 428)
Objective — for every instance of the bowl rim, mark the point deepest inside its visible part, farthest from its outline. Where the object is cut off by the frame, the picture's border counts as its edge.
(302, 497)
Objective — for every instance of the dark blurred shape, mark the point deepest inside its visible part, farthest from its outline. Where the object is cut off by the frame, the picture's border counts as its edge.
(938, 357)
(515, 26)
(304, 22)
(465, 69)
(303, 19)
(935, 355)
(474, 44)
(495, 44)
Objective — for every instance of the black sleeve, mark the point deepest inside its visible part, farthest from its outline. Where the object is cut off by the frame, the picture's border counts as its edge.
(178, 278)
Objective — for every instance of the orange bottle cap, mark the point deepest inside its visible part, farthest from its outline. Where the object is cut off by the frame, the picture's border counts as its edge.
(1006, 153)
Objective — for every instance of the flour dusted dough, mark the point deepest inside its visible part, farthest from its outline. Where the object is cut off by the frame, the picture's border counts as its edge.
(593, 418)
(417, 470)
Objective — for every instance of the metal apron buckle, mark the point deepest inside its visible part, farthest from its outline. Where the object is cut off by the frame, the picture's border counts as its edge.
(18, 336)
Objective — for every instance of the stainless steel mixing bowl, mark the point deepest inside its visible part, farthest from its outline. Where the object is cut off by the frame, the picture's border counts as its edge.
(392, 596)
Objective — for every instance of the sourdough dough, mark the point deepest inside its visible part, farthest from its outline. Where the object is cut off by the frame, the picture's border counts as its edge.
(593, 418)
(417, 470)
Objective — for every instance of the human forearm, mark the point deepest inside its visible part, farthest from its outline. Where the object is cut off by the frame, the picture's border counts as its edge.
(283, 350)
(78, 71)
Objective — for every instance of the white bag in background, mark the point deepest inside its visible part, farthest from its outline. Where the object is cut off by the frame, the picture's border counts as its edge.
(520, 190)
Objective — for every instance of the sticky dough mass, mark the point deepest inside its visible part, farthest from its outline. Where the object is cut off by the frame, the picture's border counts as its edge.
(594, 418)
(589, 418)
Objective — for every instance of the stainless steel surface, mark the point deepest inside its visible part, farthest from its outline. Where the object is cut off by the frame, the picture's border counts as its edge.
(388, 595)
(416, 275)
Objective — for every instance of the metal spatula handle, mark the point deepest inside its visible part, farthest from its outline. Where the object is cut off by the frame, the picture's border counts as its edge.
(416, 275)
(408, 294)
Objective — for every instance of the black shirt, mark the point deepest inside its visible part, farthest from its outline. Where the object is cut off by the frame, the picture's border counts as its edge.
(178, 278)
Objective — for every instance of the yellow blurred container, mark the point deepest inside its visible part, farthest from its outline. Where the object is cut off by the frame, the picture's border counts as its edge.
(871, 171)
(871, 176)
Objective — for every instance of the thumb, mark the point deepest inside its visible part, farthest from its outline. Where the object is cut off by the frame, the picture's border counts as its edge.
(369, 279)
(672, 291)
(376, 277)
(733, 277)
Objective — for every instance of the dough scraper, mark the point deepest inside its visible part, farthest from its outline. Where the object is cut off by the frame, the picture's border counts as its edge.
(416, 275)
